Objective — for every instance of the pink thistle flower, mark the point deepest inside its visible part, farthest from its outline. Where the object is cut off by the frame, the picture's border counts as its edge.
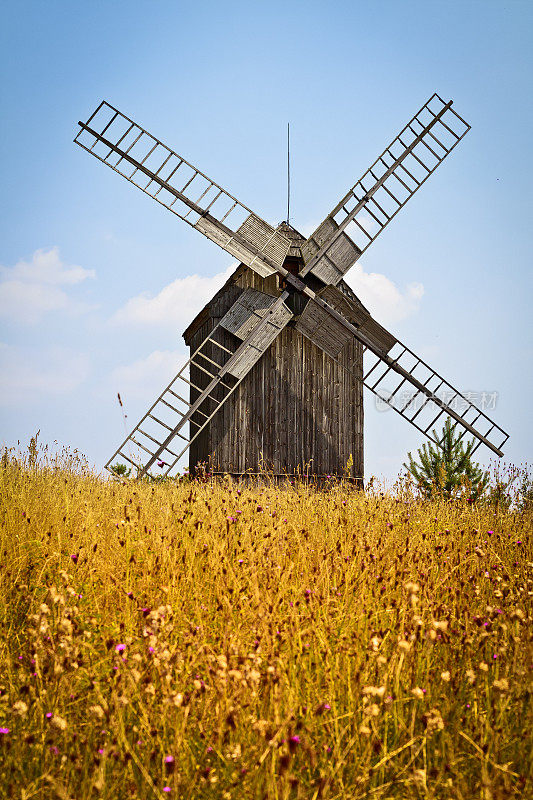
(4, 731)
(293, 743)
(169, 759)
(166, 789)
(120, 647)
(74, 557)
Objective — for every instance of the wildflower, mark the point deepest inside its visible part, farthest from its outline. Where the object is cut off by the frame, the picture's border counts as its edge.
(483, 667)
(419, 776)
(120, 647)
(169, 764)
(20, 708)
(374, 691)
(501, 685)
(4, 731)
(74, 557)
(418, 693)
(293, 743)
(433, 720)
(445, 676)
(59, 722)
(404, 646)
(166, 789)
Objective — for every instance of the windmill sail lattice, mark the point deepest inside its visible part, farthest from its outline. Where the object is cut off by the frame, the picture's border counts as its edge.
(171, 180)
(256, 320)
(324, 316)
(384, 189)
(424, 398)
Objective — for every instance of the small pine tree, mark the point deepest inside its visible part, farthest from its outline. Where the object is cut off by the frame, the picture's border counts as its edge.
(448, 470)
(120, 471)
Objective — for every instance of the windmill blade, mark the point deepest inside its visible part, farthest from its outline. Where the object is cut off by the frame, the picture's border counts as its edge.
(208, 378)
(383, 190)
(394, 373)
(161, 173)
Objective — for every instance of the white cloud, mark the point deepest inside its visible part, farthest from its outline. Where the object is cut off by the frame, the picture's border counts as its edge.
(147, 377)
(29, 376)
(46, 267)
(31, 289)
(176, 305)
(382, 297)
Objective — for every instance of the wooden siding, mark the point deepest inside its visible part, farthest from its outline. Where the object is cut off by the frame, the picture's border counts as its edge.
(295, 411)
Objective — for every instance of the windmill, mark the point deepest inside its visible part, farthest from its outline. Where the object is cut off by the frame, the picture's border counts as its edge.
(287, 289)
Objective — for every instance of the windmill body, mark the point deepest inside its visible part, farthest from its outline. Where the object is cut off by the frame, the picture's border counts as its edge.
(298, 411)
(280, 355)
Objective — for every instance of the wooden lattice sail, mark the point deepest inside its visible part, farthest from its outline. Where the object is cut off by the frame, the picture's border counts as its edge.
(309, 300)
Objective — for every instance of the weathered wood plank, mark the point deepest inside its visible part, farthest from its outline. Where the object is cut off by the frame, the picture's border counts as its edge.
(296, 406)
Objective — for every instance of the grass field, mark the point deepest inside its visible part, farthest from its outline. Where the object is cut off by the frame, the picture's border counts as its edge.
(210, 641)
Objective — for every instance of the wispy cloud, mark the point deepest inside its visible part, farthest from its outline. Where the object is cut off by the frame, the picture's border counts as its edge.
(147, 377)
(382, 297)
(29, 375)
(175, 306)
(31, 289)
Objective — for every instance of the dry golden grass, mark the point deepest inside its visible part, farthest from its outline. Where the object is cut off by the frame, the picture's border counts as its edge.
(206, 641)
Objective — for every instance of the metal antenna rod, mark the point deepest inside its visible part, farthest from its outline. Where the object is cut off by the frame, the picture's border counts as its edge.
(288, 171)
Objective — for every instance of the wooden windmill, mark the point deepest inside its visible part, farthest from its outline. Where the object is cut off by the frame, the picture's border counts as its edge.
(280, 355)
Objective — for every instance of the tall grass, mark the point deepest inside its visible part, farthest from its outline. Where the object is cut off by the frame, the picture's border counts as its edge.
(217, 641)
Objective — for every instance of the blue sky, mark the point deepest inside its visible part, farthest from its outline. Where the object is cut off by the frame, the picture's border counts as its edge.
(97, 282)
